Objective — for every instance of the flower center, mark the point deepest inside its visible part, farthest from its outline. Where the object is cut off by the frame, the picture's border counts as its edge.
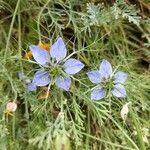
(108, 84)
(55, 71)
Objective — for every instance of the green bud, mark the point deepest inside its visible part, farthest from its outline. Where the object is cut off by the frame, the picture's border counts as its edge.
(62, 142)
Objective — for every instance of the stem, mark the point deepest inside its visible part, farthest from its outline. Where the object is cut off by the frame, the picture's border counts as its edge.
(138, 129)
(39, 17)
(10, 29)
(88, 129)
(124, 133)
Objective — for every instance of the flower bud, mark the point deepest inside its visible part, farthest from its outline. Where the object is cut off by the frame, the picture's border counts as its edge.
(11, 106)
(62, 142)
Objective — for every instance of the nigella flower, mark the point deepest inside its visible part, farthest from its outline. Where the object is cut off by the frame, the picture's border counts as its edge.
(107, 81)
(55, 68)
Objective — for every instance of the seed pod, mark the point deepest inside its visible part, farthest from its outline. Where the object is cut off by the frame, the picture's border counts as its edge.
(124, 111)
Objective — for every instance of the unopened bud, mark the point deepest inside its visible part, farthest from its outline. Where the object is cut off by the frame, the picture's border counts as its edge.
(11, 106)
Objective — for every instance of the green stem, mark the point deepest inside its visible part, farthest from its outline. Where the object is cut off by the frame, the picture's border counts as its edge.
(88, 129)
(39, 18)
(10, 29)
(138, 129)
(124, 133)
(13, 128)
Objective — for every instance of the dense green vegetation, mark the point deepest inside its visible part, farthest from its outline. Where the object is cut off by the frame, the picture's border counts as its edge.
(93, 30)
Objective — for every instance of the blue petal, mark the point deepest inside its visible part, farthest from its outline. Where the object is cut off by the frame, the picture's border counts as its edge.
(98, 94)
(120, 77)
(58, 50)
(94, 76)
(31, 87)
(72, 66)
(105, 69)
(41, 78)
(119, 91)
(64, 83)
(40, 55)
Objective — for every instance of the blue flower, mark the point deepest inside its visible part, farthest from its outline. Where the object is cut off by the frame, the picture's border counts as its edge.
(55, 68)
(107, 81)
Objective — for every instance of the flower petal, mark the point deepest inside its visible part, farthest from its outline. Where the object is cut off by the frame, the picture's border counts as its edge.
(72, 66)
(40, 55)
(58, 50)
(63, 83)
(105, 69)
(94, 76)
(119, 91)
(98, 94)
(120, 77)
(41, 78)
(31, 87)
